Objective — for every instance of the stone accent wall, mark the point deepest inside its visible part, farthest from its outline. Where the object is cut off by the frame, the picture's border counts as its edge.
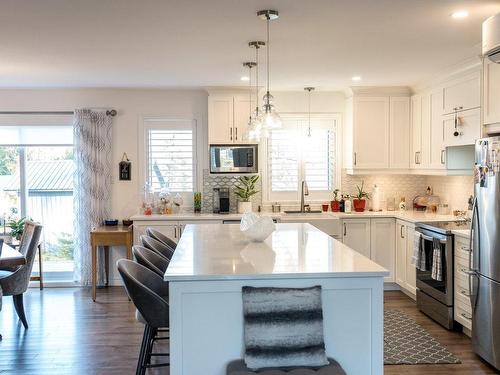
(211, 181)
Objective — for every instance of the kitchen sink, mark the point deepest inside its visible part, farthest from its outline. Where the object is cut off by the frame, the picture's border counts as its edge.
(303, 212)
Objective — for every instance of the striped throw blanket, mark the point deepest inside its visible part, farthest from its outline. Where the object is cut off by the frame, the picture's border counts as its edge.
(283, 327)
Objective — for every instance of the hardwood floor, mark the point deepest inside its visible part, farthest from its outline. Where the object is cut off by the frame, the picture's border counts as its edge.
(69, 334)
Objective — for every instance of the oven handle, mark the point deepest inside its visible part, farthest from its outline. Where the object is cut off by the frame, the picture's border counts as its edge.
(428, 238)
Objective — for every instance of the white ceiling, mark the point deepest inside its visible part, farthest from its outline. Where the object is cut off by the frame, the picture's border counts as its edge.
(193, 43)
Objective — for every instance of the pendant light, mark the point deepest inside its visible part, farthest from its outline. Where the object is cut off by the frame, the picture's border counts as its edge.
(269, 118)
(309, 89)
(254, 130)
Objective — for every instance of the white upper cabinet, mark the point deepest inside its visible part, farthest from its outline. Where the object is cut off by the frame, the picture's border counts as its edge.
(220, 119)
(437, 150)
(228, 118)
(491, 93)
(377, 130)
(371, 132)
(462, 94)
(399, 130)
(416, 131)
(463, 128)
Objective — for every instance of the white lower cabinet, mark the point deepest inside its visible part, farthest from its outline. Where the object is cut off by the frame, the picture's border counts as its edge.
(356, 235)
(406, 274)
(462, 304)
(382, 245)
(374, 238)
(171, 229)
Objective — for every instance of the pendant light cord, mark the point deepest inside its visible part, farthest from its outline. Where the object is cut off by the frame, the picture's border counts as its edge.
(268, 21)
(309, 129)
(257, 80)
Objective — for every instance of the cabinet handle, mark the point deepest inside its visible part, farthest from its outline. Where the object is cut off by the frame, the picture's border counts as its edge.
(231, 134)
(355, 158)
(345, 229)
(443, 159)
(464, 315)
(401, 231)
(175, 232)
(180, 231)
(464, 248)
(236, 132)
(465, 293)
(416, 158)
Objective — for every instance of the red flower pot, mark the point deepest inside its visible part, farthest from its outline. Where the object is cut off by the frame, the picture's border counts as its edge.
(359, 205)
(335, 206)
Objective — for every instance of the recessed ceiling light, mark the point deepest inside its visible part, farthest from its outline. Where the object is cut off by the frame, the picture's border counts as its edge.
(356, 78)
(459, 14)
(245, 78)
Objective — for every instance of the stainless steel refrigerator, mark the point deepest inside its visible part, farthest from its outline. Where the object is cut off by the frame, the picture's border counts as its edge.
(484, 262)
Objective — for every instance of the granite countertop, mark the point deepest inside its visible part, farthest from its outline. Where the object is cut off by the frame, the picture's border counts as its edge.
(298, 250)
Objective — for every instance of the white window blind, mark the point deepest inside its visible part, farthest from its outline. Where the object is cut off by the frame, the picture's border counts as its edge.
(36, 130)
(293, 156)
(171, 155)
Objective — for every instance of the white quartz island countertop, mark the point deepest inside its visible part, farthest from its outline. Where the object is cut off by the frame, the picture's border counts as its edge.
(299, 250)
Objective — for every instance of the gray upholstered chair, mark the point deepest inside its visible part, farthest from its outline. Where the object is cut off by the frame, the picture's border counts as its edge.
(239, 368)
(157, 235)
(15, 282)
(157, 246)
(149, 293)
(150, 259)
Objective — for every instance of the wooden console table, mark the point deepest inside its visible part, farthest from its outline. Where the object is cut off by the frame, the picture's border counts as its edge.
(109, 236)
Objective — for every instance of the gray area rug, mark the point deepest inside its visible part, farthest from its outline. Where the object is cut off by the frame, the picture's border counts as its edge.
(407, 343)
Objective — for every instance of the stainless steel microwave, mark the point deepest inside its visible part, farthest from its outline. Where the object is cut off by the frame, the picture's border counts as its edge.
(233, 159)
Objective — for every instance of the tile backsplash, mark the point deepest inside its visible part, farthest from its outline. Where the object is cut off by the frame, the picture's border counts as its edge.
(211, 181)
(454, 190)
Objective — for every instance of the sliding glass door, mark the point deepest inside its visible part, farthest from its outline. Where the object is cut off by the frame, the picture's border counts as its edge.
(36, 182)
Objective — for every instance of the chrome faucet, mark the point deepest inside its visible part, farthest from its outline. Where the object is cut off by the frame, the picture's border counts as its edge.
(304, 192)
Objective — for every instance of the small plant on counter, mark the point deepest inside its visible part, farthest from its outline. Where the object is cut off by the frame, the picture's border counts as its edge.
(245, 189)
(335, 204)
(360, 197)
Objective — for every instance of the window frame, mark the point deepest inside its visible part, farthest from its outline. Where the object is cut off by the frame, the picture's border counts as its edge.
(315, 196)
(167, 123)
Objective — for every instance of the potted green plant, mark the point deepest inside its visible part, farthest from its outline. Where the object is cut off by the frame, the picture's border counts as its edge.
(16, 227)
(360, 197)
(245, 189)
(335, 204)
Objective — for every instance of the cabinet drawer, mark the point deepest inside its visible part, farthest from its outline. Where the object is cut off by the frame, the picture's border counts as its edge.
(463, 317)
(461, 273)
(462, 299)
(462, 248)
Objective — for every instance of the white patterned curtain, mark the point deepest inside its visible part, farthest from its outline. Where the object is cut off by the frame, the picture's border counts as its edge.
(92, 187)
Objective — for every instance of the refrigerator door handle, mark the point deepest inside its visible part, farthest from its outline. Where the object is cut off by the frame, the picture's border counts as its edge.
(472, 272)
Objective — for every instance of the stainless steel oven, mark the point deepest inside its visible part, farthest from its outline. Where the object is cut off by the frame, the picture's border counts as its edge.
(435, 297)
(234, 159)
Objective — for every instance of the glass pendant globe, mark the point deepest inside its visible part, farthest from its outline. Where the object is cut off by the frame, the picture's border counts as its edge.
(270, 119)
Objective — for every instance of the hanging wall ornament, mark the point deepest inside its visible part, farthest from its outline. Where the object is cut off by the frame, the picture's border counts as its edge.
(125, 168)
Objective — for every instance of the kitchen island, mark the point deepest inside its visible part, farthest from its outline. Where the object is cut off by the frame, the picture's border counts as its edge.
(213, 262)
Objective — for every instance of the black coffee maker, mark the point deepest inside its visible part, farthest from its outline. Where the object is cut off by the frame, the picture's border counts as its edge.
(221, 200)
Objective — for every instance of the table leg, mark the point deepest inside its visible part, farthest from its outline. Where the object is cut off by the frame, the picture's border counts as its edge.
(106, 263)
(94, 271)
(40, 267)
